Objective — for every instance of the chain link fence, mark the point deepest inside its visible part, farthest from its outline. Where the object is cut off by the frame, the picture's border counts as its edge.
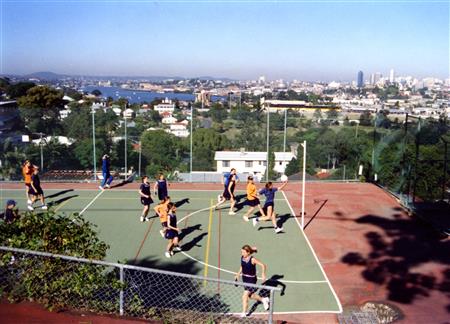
(60, 281)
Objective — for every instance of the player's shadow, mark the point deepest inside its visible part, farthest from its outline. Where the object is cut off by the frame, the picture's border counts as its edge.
(193, 243)
(121, 184)
(280, 221)
(59, 201)
(181, 202)
(56, 194)
(239, 205)
(188, 230)
(273, 281)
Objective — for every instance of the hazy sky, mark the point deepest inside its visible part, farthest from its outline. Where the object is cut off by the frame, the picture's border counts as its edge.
(291, 40)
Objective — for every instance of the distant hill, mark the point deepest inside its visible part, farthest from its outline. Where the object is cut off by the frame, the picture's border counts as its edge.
(45, 76)
(49, 76)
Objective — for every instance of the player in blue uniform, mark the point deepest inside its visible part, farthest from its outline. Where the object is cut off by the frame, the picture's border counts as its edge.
(36, 191)
(160, 187)
(269, 205)
(107, 177)
(248, 272)
(172, 231)
(146, 198)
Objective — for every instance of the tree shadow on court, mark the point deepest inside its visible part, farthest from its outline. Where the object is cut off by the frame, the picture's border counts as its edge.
(398, 249)
(181, 202)
(56, 194)
(163, 292)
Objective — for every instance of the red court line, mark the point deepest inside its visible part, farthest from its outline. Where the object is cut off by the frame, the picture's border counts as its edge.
(143, 241)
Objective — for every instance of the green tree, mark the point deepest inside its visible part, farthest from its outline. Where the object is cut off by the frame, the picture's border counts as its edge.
(205, 143)
(39, 109)
(96, 93)
(160, 150)
(19, 89)
(365, 119)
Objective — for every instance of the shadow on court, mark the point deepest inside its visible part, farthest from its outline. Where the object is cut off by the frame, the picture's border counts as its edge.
(56, 194)
(193, 243)
(324, 202)
(59, 201)
(281, 219)
(188, 230)
(273, 281)
(181, 202)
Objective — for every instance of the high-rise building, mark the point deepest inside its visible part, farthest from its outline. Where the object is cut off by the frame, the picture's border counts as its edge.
(360, 82)
(392, 76)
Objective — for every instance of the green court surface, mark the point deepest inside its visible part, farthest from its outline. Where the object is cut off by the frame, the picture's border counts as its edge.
(211, 241)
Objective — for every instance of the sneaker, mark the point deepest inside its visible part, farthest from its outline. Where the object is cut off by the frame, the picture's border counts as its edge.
(107, 186)
(142, 219)
(246, 218)
(177, 248)
(265, 302)
(243, 315)
(167, 254)
(219, 198)
(255, 221)
(101, 188)
(162, 233)
(44, 207)
(171, 253)
(30, 208)
(29, 202)
(278, 229)
(231, 213)
(146, 219)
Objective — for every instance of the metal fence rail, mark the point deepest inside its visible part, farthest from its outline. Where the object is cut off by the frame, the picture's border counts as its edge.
(104, 287)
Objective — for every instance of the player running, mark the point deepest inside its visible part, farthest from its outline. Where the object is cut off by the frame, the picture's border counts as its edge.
(172, 231)
(248, 271)
(162, 212)
(252, 199)
(107, 177)
(27, 172)
(146, 198)
(269, 205)
(36, 191)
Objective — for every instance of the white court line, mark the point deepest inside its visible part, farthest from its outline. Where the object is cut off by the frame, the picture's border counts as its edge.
(315, 256)
(88, 205)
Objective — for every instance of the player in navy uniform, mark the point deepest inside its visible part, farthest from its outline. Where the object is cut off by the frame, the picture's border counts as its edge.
(248, 271)
(36, 191)
(172, 231)
(269, 205)
(228, 193)
(160, 187)
(11, 213)
(146, 198)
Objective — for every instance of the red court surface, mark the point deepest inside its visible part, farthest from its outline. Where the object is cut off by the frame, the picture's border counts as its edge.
(371, 250)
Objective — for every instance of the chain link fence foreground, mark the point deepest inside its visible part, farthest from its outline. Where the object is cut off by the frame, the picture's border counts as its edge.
(60, 281)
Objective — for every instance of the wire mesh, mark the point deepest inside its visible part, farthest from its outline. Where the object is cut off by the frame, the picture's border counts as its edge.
(68, 282)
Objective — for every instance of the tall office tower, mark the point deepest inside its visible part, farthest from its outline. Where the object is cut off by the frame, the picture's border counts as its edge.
(392, 76)
(372, 79)
(378, 76)
(360, 82)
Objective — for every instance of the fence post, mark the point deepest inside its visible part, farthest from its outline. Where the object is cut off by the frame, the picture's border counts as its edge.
(271, 307)
(121, 289)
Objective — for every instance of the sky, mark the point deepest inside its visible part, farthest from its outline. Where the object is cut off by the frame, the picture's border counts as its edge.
(307, 40)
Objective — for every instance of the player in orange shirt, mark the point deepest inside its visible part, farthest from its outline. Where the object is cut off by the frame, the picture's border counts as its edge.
(27, 172)
(162, 211)
(252, 199)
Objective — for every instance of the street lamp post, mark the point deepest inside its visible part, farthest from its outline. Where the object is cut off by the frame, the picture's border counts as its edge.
(42, 153)
(190, 162)
(126, 157)
(94, 157)
(285, 123)
(267, 143)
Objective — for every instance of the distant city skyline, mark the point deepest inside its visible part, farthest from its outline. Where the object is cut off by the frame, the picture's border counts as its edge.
(304, 41)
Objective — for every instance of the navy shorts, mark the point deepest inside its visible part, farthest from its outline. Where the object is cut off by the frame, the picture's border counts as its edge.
(267, 204)
(164, 224)
(253, 203)
(38, 191)
(171, 234)
(251, 280)
(146, 201)
(162, 194)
